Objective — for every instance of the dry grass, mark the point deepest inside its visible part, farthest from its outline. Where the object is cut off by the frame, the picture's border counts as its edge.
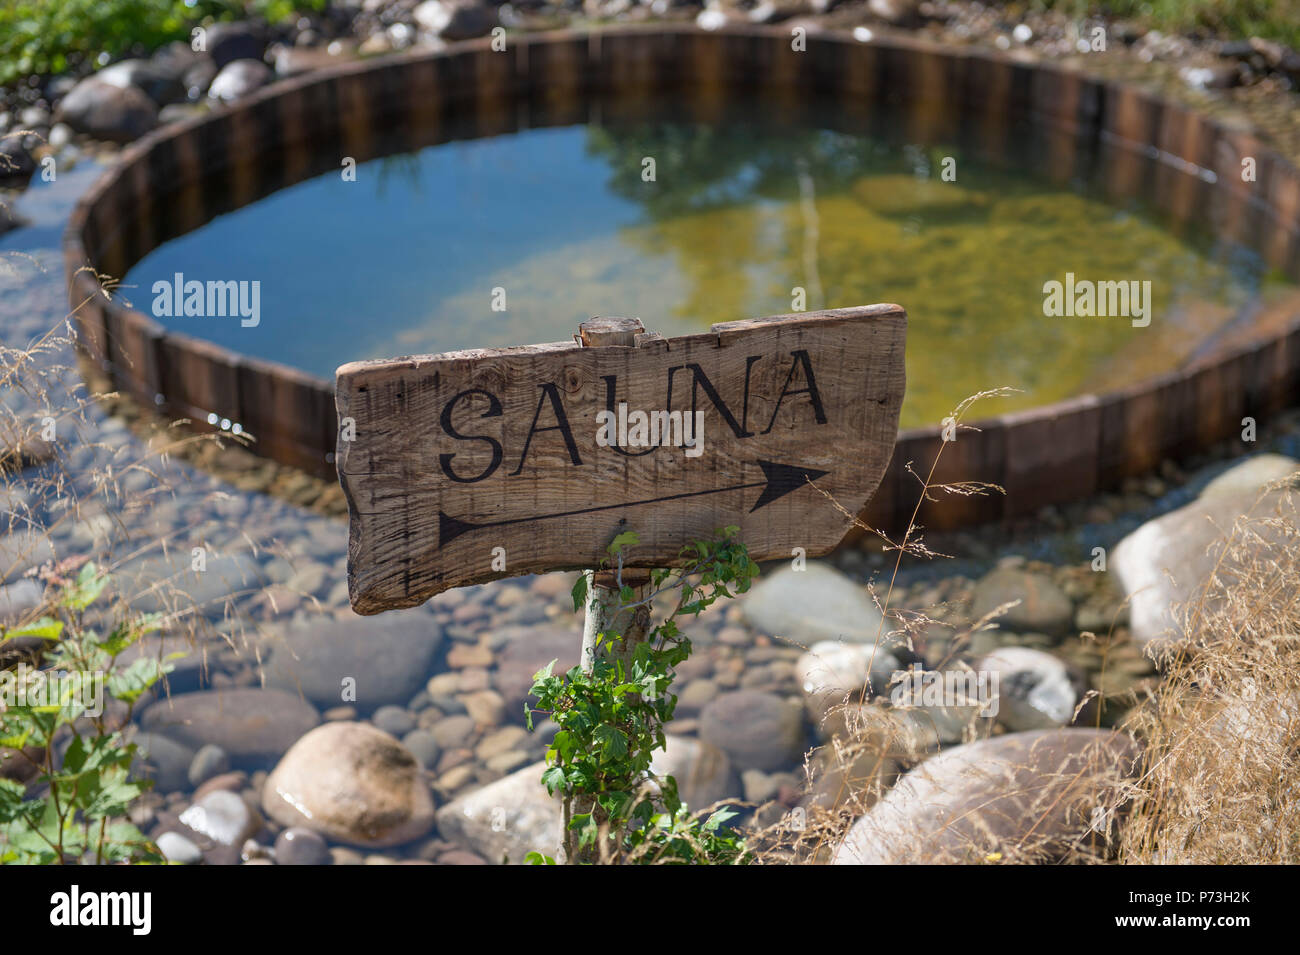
(1222, 784)
(1218, 782)
(868, 744)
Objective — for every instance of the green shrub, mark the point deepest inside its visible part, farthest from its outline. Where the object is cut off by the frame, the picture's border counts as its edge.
(611, 718)
(74, 808)
(1237, 19)
(48, 37)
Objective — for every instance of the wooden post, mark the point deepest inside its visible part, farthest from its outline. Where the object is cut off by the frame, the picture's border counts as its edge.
(604, 587)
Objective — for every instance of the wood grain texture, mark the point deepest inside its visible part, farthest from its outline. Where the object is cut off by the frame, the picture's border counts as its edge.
(455, 455)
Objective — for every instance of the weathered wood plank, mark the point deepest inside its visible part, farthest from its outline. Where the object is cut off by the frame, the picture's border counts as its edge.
(446, 459)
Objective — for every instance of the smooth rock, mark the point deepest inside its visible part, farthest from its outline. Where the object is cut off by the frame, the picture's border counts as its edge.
(756, 730)
(812, 605)
(60, 135)
(236, 80)
(393, 720)
(162, 582)
(163, 760)
(298, 845)
(296, 60)
(1167, 562)
(161, 86)
(387, 656)
(897, 13)
(527, 650)
(452, 732)
(16, 163)
(114, 113)
(1043, 608)
(174, 60)
(34, 117)
(424, 747)
(223, 817)
(486, 707)
(854, 778)
(832, 673)
(694, 696)
(176, 848)
(188, 669)
(1250, 476)
(21, 766)
(228, 42)
(352, 783)
(252, 725)
(455, 21)
(198, 78)
(957, 714)
(20, 551)
(18, 600)
(703, 771)
(233, 781)
(461, 857)
(210, 761)
(1024, 795)
(1214, 76)
(507, 819)
(1035, 689)
(501, 741)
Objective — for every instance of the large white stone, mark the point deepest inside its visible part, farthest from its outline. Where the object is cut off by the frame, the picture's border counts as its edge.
(814, 604)
(833, 673)
(1251, 476)
(507, 819)
(1023, 796)
(1166, 563)
(1035, 690)
(353, 783)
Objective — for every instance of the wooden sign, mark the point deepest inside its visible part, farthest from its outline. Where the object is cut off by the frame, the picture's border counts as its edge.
(475, 465)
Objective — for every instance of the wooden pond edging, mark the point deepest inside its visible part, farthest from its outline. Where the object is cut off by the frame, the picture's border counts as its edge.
(181, 176)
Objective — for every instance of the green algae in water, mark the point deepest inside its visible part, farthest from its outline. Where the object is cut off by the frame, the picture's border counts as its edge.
(567, 223)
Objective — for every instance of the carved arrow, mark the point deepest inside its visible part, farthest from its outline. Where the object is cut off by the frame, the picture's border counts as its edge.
(779, 480)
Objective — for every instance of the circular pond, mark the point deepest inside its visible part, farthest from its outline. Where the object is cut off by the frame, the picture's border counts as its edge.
(485, 198)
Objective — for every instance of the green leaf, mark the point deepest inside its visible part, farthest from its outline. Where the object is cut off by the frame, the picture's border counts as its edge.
(89, 585)
(580, 593)
(553, 779)
(623, 541)
(47, 628)
(612, 742)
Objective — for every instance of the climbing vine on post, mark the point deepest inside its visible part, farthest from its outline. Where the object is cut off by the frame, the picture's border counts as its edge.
(612, 708)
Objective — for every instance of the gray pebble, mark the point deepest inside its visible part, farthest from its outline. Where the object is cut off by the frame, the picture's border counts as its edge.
(393, 720)
(301, 846)
(423, 746)
(211, 760)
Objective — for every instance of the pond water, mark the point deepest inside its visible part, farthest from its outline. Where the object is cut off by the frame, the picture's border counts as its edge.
(515, 239)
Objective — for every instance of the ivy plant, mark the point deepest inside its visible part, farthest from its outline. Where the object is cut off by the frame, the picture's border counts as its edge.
(611, 717)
